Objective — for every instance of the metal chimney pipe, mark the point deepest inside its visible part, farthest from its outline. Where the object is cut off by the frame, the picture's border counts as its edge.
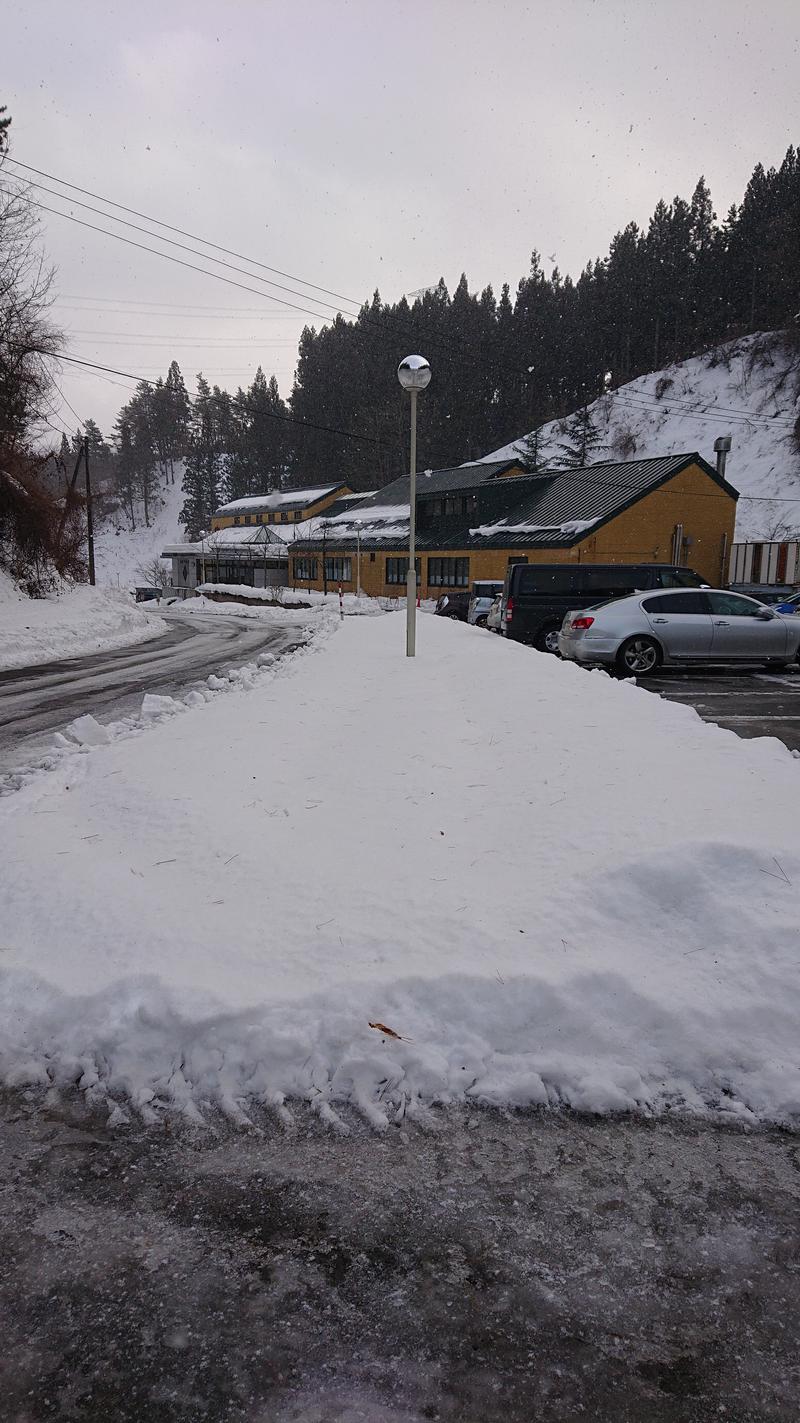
(721, 448)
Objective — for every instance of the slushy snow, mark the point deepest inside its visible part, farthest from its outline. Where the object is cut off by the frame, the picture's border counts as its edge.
(355, 878)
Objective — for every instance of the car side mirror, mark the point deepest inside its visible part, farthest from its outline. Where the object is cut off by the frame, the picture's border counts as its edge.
(765, 614)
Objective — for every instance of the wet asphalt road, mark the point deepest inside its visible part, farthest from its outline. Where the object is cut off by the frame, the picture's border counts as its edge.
(36, 701)
(749, 701)
(534, 1266)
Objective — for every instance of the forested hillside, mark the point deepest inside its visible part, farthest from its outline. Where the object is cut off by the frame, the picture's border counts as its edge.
(684, 284)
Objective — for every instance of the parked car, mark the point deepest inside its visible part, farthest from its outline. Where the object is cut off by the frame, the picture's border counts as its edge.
(638, 634)
(791, 605)
(765, 592)
(453, 605)
(483, 594)
(494, 616)
(537, 595)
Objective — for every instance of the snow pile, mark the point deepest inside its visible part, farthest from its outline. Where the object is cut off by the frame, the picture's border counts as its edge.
(287, 597)
(749, 389)
(121, 554)
(72, 624)
(482, 874)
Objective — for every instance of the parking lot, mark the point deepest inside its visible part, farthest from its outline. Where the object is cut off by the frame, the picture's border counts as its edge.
(749, 701)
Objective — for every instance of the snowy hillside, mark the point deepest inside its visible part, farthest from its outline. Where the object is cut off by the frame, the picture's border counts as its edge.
(749, 389)
(121, 552)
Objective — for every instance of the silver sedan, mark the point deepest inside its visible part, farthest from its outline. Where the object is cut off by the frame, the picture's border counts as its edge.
(639, 633)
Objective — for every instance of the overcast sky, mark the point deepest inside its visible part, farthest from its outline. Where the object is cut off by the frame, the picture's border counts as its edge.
(368, 144)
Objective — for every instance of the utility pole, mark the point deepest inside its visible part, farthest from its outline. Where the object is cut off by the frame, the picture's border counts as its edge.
(70, 490)
(89, 523)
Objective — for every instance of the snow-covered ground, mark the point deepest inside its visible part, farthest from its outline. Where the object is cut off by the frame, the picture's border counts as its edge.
(122, 553)
(482, 874)
(749, 389)
(70, 624)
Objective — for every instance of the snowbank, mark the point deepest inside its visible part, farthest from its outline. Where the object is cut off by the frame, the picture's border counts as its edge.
(482, 874)
(73, 624)
(749, 389)
(287, 597)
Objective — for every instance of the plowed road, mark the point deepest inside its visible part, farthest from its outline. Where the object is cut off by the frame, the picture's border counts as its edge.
(36, 701)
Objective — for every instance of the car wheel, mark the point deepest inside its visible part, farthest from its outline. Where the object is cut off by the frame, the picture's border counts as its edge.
(481, 622)
(546, 639)
(638, 656)
(455, 615)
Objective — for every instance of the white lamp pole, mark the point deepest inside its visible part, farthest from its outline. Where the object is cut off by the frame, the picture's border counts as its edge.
(358, 559)
(414, 375)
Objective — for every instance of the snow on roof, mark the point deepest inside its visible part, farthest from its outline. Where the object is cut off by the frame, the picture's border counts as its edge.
(257, 535)
(278, 499)
(572, 526)
(376, 522)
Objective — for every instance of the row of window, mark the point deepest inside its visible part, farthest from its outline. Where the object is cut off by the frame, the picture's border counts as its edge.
(449, 505)
(289, 516)
(442, 572)
(337, 570)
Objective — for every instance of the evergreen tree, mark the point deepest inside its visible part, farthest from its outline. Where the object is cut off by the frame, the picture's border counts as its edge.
(583, 439)
(127, 478)
(530, 451)
(205, 460)
(258, 458)
(169, 421)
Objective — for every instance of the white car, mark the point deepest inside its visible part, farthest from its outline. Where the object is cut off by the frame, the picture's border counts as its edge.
(699, 625)
(494, 617)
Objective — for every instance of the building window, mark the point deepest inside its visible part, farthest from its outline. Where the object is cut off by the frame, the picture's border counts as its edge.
(237, 520)
(448, 572)
(247, 519)
(397, 570)
(339, 570)
(305, 570)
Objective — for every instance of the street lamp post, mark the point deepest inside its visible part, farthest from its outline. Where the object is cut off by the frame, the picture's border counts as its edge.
(358, 558)
(414, 375)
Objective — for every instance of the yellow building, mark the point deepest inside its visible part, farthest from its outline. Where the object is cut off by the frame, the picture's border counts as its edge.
(282, 506)
(474, 520)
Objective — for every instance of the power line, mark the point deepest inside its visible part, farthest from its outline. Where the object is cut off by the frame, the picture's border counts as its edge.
(87, 192)
(169, 305)
(721, 412)
(135, 227)
(161, 336)
(195, 400)
(366, 322)
(179, 261)
(66, 402)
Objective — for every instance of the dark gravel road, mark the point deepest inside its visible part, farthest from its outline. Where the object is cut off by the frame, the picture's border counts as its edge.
(529, 1267)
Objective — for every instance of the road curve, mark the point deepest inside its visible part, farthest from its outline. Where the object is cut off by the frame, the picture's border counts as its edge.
(36, 701)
